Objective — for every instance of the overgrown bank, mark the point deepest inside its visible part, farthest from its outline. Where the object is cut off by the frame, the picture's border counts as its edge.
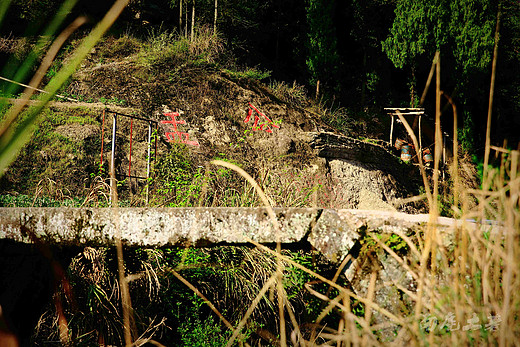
(226, 113)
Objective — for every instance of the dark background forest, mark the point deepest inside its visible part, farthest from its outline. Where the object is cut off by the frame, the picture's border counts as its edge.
(366, 55)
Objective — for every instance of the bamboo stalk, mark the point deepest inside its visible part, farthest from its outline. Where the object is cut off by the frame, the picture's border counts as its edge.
(491, 95)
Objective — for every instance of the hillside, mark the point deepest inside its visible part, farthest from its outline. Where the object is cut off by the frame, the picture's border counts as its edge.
(270, 131)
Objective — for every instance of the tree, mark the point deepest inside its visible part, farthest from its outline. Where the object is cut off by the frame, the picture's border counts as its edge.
(364, 31)
(322, 59)
(203, 9)
(215, 18)
(508, 76)
(462, 29)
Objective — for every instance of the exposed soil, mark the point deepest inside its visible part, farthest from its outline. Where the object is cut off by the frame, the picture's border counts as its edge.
(217, 113)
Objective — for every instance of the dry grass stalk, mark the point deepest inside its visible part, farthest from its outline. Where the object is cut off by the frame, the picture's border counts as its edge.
(126, 303)
(491, 94)
(274, 221)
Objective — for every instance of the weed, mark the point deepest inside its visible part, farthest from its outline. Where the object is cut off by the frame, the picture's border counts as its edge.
(294, 94)
(176, 182)
(199, 333)
(113, 101)
(123, 46)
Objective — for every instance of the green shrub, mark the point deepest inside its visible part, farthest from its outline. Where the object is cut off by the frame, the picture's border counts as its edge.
(177, 183)
(207, 333)
(249, 72)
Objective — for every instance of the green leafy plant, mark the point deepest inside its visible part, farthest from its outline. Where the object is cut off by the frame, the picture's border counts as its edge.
(176, 182)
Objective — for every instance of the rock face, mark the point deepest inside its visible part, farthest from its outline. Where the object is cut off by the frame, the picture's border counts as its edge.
(364, 186)
(367, 175)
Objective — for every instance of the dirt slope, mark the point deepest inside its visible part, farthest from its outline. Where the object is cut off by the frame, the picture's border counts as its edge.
(236, 118)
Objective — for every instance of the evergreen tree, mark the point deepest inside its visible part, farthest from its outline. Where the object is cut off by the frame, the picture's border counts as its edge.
(322, 58)
(463, 31)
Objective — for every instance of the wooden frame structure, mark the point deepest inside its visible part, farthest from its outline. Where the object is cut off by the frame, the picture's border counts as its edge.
(410, 111)
(151, 123)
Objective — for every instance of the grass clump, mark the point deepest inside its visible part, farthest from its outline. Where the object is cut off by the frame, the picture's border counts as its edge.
(294, 94)
(59, 152)
(168, 48)
(248, 72)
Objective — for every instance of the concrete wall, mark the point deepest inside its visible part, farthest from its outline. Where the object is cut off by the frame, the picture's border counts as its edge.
(333, 232)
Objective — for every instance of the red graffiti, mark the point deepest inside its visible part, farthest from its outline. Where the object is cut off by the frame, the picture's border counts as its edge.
(264, 124)
(170, 135)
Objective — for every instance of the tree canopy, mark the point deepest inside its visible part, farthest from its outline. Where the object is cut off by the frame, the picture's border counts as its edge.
(462, 28)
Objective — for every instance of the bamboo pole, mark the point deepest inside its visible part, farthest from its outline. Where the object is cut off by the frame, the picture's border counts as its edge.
(491, 94)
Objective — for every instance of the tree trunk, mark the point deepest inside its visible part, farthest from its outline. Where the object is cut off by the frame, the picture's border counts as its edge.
(192, 20)
(186, 21)
(180, 16)
(215, 20)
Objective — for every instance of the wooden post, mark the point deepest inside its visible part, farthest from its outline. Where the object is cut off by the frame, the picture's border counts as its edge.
(113, 184)
(420, 136)
(130, 159)
(443, 155)
(102, 141)
(391, 130)
(148, 162)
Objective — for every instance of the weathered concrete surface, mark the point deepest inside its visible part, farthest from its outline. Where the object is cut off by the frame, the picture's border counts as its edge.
(332, 232)
(153, 227)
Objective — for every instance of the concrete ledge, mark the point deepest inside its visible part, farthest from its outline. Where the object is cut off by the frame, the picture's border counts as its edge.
(331, 232)
(153, 227)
